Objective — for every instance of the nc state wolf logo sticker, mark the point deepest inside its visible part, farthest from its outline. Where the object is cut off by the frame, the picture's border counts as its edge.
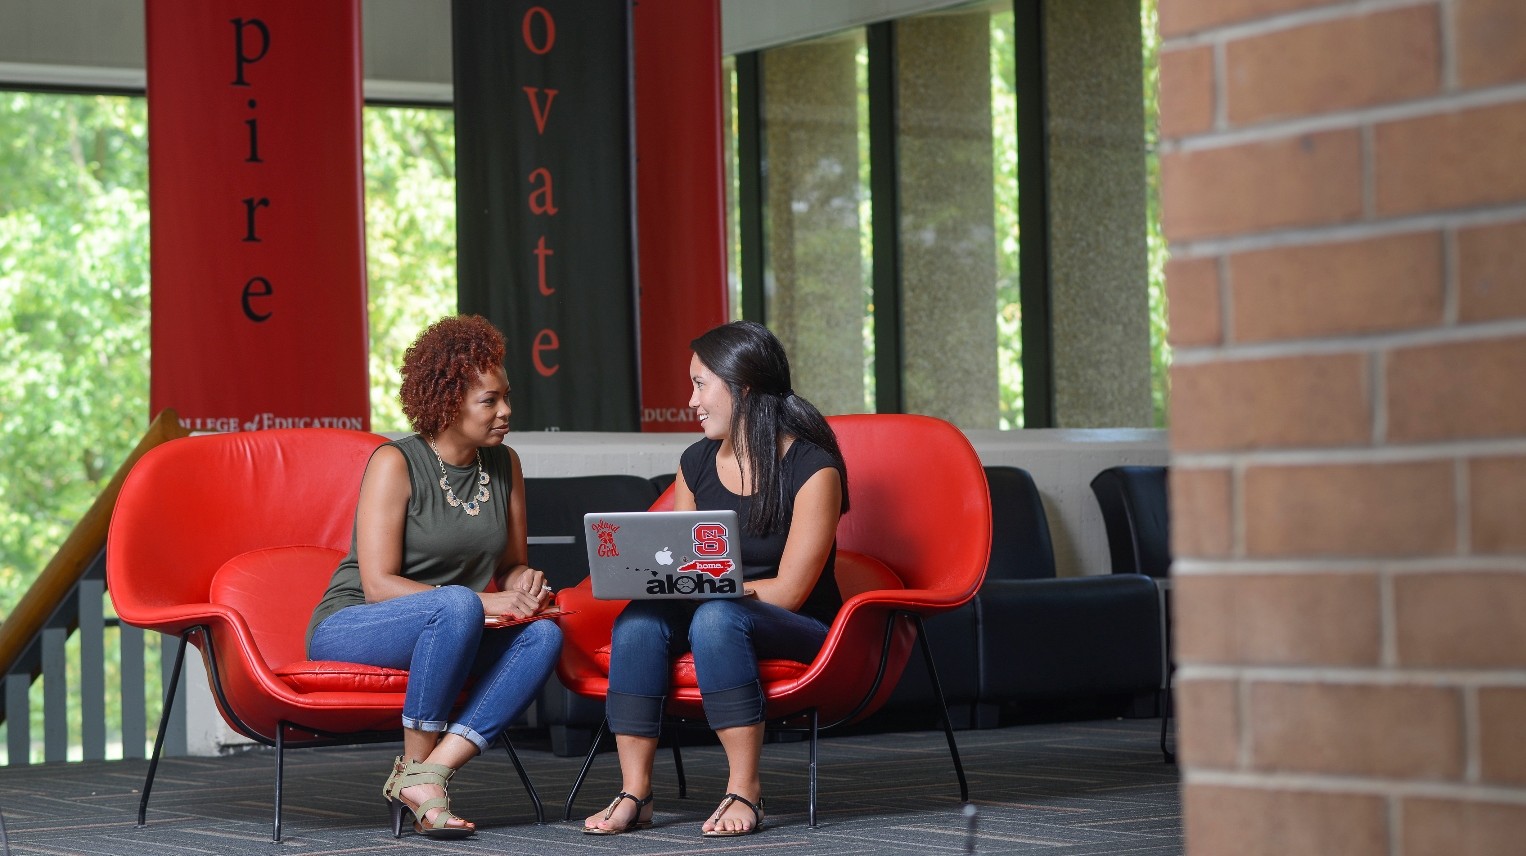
(606, 532)
(710, 539)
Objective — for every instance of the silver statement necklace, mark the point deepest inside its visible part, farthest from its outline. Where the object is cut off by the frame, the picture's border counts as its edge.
(473, 506)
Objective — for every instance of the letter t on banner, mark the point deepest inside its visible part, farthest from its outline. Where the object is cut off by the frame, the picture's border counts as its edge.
(257, 234)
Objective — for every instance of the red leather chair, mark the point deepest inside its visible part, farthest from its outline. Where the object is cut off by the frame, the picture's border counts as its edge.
(915, 543)
(228, 541)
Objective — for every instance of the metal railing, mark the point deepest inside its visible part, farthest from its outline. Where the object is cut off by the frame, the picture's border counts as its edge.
(64, 609)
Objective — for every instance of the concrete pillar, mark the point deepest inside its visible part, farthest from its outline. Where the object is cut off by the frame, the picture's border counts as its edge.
(948, 240)
(1100, 317)
(814, 281)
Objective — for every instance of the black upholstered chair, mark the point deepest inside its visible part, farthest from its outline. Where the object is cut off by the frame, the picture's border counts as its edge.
(1136, 513)
(1044, 636)
(1029, 636)
(1137, 518)
(554, 509)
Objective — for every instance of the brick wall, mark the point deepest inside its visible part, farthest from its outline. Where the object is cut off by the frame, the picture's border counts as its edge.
(1344, 190)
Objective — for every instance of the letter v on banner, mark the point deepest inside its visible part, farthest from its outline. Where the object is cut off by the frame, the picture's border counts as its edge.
(538, 109)
(256, 236)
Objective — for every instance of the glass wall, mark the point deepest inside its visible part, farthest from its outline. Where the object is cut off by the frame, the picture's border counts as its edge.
(949, 246)
(410, 168)
(74, 303)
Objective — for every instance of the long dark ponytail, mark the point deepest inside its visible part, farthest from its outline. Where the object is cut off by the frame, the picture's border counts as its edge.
(764, 408)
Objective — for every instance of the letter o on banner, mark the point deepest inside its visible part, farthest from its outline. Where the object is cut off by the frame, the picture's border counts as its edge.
(527, 30)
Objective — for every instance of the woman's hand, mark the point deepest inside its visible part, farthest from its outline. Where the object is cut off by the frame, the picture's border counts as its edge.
(512, 603)
(532, 584)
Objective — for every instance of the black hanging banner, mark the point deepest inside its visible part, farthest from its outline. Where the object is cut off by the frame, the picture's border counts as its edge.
(544, 213)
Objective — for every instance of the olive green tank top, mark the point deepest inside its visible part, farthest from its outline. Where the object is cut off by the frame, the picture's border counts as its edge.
(442, 545)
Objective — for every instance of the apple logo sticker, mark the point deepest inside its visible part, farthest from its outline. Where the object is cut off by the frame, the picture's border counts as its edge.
(664, 556)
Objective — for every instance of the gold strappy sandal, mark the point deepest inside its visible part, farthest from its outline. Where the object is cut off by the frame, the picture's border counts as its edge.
(417, 773)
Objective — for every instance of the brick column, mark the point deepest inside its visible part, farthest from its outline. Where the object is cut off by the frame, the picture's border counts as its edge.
(1344, 189)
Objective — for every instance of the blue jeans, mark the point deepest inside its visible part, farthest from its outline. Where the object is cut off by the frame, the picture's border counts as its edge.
(437, 635)
(727, 638)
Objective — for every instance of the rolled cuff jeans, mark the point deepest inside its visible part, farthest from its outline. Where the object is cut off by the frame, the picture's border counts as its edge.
(728, 637)
(437, 635)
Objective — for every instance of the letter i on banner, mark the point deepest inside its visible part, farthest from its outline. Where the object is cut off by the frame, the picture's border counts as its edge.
(257, 237)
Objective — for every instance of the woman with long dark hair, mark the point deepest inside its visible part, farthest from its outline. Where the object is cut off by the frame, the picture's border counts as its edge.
(771, 457)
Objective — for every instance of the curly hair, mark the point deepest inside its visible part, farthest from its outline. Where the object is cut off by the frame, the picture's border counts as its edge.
(442, 364)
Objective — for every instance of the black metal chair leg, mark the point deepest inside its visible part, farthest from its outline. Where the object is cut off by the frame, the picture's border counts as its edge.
(164, 722)
(811, 790)
(1164, 702)
(948, 728)
(583, 773)
(678, 767)
(275, 834)
(540, 812)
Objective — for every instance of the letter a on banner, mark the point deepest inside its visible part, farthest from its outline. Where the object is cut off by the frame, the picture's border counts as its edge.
(256, 236)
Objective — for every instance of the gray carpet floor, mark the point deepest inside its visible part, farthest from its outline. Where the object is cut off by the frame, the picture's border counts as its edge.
(1063, 789)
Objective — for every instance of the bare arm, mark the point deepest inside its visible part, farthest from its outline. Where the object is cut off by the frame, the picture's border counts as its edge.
(379, 520)
(813, 525)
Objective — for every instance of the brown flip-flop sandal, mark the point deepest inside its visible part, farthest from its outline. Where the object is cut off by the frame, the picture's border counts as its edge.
(637, 823)
(726, 801)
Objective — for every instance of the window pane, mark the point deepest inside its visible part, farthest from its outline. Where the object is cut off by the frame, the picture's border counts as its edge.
(733, 187)
(815, 133)
(948, 188)
(74, 303)
(1009, 316)
(1160, 349)
(410, 166)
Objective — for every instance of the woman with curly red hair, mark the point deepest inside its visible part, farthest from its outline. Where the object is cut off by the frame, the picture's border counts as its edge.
(442, 514)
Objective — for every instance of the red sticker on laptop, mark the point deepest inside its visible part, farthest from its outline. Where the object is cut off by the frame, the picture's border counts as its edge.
(714, 567)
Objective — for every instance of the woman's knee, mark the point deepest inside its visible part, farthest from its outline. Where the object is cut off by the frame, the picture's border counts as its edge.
(543, 635)
(457, 603)
(641, 627)
(718, 622)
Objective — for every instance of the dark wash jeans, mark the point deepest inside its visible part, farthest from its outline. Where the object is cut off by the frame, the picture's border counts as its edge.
(727, 636)
(437, 635)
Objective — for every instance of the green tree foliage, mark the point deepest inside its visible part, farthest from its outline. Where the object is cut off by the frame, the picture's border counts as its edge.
(410, 166)
(1160, 349)
(73, 313)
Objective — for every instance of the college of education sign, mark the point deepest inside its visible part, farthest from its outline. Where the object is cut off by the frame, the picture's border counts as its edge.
(257, 238)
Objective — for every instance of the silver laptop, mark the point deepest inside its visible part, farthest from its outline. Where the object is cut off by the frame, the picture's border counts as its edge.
(639, 555)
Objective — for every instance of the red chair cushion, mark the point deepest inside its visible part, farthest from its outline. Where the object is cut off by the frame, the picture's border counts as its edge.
(683, 669)
(314, 676)
(275, 590)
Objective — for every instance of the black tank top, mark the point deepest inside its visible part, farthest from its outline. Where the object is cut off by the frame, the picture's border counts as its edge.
(761, 553)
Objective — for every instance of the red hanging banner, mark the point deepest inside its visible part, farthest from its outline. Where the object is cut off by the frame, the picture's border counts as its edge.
(256, 231)
(680, 198)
